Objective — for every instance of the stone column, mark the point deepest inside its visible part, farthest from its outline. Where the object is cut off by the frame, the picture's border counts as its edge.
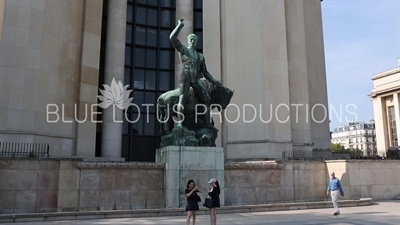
(380, 127)
(316, 74)
(183, 9)
(114, 68)
(396, 104)
(298, 71)
(2, 9)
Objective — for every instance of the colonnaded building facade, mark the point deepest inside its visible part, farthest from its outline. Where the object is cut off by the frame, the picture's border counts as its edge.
(55, 55)
(386, 103)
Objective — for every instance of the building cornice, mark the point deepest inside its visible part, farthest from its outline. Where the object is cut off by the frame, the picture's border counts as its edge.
(383, 92)
(386, 73)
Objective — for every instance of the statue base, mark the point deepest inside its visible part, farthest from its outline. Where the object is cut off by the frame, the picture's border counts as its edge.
(184, 163)
(181, 136)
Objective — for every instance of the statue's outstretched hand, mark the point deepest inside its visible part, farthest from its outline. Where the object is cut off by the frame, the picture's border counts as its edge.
(180, 22)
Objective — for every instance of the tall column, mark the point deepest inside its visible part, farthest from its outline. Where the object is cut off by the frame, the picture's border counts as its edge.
(2, 9)
(318, 103)
(380, 128)
(183, 9)
(114, 68)
(298, 71)
(396, 104)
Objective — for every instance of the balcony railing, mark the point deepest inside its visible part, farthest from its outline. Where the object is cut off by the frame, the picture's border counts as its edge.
(17, 149)
(317, 155)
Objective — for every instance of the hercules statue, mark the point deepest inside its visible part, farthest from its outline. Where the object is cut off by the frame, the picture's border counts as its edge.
(196, 86)
(194, 68)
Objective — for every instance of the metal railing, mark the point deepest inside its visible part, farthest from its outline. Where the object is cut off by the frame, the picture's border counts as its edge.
(17, 149)
(317, 155)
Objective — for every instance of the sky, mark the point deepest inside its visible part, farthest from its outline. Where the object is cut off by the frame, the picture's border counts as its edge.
(362, 38)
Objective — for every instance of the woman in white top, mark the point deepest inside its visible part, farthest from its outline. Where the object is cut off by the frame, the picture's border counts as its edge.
(214, 192)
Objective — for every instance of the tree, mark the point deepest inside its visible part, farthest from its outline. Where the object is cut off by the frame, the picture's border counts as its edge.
(356, 153)
(337, 147)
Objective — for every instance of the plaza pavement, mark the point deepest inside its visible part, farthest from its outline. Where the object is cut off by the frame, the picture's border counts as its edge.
(380, 213)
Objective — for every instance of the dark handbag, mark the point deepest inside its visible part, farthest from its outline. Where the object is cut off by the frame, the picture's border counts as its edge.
(198, 199)
(208, 203)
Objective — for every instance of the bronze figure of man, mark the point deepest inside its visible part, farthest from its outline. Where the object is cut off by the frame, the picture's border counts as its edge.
(194, 68)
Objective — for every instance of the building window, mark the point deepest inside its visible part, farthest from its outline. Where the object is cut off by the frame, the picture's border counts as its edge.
(149, 70)
(392, 126)
(198, 23)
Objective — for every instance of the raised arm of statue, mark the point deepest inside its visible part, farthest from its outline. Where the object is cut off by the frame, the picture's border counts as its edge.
(174, 36)
(207, 75)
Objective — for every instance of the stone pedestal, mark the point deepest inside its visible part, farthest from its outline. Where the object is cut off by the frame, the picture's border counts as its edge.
(183, 163)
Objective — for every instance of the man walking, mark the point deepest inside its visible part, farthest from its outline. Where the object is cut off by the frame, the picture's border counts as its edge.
(335, 188)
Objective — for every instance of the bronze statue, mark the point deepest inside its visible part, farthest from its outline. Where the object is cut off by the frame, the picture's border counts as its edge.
(196, 86)
(168, 100)
(194, 68)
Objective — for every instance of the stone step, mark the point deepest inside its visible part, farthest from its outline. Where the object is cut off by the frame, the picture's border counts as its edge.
(59, 216)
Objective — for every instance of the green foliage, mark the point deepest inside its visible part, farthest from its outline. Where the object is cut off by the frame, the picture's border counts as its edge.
(32, 155)
(337, 147)
(354, 153)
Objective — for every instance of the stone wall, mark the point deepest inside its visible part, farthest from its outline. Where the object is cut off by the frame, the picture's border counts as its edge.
(108, 186)
(379, 180)
(269, 182)
(29, 185)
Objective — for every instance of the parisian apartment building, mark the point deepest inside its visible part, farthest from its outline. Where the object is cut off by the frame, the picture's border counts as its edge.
(356, 135)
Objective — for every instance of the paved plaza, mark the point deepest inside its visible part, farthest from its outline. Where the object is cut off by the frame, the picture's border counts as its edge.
(380, 213)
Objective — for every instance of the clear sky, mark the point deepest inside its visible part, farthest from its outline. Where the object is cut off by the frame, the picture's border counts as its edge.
(361, 38)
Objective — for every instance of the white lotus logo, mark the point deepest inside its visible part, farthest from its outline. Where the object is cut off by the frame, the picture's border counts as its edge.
(116, 94)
